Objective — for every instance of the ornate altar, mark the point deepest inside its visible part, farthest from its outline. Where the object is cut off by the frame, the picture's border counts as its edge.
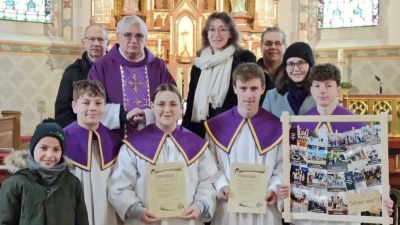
(175, 26)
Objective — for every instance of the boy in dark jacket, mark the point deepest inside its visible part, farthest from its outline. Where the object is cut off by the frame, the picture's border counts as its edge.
(41, 190)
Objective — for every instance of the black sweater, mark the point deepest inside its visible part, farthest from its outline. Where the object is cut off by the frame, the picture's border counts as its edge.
(230, 100)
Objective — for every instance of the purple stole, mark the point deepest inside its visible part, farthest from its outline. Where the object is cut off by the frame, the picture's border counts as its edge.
(332, 126)
(148, 142)
(79, 145)
(265, 127)
(136, 91)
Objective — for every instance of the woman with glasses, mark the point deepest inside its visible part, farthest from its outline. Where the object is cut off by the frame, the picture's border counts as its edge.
(163, 142)
(210, 87)
(292, 92)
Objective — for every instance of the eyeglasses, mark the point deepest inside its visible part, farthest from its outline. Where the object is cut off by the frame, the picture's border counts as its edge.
(270, 43)
(162, 106)
(220, 30)
(128, 36)
(92, 39)
(299, 65)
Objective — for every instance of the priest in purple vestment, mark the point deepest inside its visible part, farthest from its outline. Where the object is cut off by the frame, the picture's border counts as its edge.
(130, 73)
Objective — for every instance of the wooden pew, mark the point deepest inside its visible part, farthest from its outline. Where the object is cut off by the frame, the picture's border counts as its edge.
(10, 135)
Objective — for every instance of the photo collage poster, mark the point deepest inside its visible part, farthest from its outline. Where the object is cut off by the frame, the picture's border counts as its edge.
(326, 166)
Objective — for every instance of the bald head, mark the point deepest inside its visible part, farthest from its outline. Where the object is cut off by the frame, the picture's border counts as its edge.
(95, 41)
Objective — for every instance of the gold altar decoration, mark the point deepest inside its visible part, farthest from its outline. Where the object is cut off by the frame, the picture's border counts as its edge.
(374, 105)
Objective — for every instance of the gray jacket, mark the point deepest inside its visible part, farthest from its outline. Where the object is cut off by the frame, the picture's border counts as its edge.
(276, 103)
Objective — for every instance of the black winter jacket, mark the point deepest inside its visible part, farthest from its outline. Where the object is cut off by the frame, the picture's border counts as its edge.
(75, 72)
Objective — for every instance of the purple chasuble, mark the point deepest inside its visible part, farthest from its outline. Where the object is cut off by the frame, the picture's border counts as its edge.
(332, 126)
(79, 144)
(265, 127)
(150, 73)
(148, 142)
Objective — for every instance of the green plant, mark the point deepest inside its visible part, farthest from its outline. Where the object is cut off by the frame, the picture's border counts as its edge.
(346, 85)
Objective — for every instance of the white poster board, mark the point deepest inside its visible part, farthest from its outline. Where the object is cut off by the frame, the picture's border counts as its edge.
(288, 215)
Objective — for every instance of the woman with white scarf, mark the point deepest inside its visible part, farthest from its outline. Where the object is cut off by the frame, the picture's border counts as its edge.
(210, 87)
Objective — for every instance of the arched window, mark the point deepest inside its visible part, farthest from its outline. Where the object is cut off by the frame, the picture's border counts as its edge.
(26, 10)
(347, 13)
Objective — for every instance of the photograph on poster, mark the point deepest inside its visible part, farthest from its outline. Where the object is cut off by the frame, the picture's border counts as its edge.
(318, 203)
(349, 179)
(336, 181)
(359, 178)
(337, 204)
(316, 178)
(298, 175)
(299, 197)
(354, 137)
(315, 140)
(302, 137)
(373, 175)
(316, 157)
(373, 153)
(298, 154)
(371, 134)
(356, 158)
(337, 140)
(335, 159)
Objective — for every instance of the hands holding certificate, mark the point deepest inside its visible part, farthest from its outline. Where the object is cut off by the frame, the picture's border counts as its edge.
(193, 212)
(224, 193)
(271, 197)
(147, 217)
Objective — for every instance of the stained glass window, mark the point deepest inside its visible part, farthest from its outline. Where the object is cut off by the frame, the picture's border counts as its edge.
(26, 10)
(347, 13)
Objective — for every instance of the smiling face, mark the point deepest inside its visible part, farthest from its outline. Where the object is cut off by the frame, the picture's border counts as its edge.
(89, 110)
(273, 47)
(248, 94)
(47, 152)
(297, 69)
(325, 93)
(218, 34)
(166, 108)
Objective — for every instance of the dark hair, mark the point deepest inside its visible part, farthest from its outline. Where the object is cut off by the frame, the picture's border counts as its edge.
(166, 87)
(248, 71)
(283, 80)
(91, 87)
(228, 21)
(274, 29)
(324, 72)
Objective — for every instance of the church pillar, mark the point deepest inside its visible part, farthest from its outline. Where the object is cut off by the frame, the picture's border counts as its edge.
(150, 14)
(200, 29)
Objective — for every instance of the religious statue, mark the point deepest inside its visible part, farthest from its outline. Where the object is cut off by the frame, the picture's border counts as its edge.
(238, 6)
(131, 5)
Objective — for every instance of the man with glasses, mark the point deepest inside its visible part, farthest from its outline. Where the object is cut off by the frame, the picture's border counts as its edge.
(130, 73)
(95, 42)
(273, 46)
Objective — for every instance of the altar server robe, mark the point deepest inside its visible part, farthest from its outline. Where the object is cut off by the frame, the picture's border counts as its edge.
(93, 154)
(128, 183)
(253, 141)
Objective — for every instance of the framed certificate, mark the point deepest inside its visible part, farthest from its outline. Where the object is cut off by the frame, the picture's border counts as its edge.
(166, 186)
(248, 188)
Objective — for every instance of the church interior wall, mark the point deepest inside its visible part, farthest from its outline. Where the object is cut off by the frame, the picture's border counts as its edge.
(32, 62)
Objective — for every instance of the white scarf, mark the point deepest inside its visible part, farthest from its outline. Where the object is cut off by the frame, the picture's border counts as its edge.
(214, 80)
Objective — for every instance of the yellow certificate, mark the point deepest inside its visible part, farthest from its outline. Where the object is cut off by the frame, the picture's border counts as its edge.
(166, 189)
(248, 188)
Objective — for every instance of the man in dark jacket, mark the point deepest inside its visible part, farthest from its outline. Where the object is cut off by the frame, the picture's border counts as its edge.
(273, 46)
(95, 42)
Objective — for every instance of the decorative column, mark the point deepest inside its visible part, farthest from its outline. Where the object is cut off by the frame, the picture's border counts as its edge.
(275, 22)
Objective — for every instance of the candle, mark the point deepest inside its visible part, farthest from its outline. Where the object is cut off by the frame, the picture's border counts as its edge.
(159, 45)
(250, 42)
